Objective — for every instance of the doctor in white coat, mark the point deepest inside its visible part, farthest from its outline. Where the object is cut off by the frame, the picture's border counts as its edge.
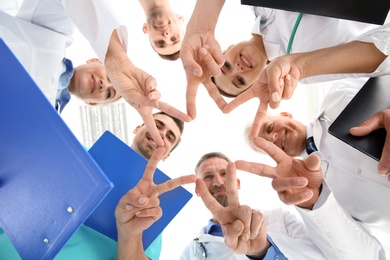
(355, 190)
(348, 217)
(354, 196)
(42, 30)
(275, 33)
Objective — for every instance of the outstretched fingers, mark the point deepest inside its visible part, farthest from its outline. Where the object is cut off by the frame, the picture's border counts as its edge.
(260, 114)
(214, 94)
(170, 110)
(286, 183)
(211, 63)
(192, 88)
(231, 185)
(271, 149)
(209, 201)
(150, 124)
(256, 168)
(174, 183)
(239, 100)
(152, 164)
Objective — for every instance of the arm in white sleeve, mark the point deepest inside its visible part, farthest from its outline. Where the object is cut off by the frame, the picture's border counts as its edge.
(96, 20)
(290, 235)
(335, 232)
(380, 37)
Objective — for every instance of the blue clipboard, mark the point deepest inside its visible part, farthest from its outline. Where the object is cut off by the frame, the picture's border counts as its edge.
(125, 167)
(49, 184)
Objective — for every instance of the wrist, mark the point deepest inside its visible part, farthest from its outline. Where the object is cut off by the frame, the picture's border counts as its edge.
(261, 253)
(205, 16)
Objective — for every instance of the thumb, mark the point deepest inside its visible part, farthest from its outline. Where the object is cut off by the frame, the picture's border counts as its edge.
(312, 162)
(367, 126)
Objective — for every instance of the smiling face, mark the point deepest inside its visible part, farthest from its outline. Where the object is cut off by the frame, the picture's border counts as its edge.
(165, 30)
(213, 172)
(243, 64)
(169, 131)
(286, 133)
(90, 83)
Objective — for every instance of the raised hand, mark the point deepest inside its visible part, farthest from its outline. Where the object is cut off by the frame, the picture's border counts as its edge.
(297, 182)
(243, 228)
(139, 208)
(277, 81)
(200, 52)
(200, 64)
(379, 120)
(137, 87)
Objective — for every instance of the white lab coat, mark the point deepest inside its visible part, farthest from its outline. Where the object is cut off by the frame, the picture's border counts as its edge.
(356, 191)
(42, 29)
(316, 32)
(285, 229)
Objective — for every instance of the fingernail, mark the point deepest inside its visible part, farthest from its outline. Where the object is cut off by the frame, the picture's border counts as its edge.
(152, 96)
(142, 200)
(138, 212)
(207, 47)
(382, 172)
(196, 72)
(203, 51)
(152, 86)
(129, 207)
(275, 96)
(301, 182)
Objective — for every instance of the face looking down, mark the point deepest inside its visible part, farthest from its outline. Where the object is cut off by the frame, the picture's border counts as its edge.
(285, 132)
(90, 83)
(169, 132)
(165, 30)
(213, 172)
(243, 65)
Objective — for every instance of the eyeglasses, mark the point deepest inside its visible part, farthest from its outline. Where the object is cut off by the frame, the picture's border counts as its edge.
(199, 250)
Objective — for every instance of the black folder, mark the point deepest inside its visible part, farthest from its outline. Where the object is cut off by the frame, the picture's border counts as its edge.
(49, 184)
(374, 96)
(374, 12)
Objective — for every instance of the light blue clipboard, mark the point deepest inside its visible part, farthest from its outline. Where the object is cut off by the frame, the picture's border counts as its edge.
(125, 167)
(49, 184)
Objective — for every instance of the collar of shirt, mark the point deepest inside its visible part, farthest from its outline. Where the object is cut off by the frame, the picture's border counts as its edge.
(63, 95)
(214, 229)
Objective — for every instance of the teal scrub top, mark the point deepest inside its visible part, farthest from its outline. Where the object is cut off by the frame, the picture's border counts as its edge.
(86, 243)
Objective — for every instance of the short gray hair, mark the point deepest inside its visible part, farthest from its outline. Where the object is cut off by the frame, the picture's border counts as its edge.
(249, 139)
(209, 156)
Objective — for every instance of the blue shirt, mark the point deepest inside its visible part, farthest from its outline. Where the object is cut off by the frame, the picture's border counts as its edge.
(273, 251)
(63, 95)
